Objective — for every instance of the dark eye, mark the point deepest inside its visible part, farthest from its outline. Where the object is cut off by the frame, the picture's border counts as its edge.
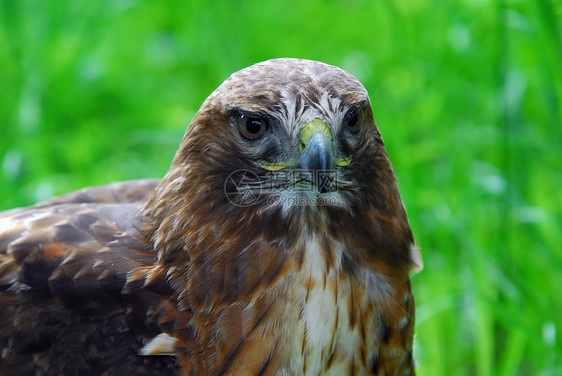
(354, 120)
(252, 128)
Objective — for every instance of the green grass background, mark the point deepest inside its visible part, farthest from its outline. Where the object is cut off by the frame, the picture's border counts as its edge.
(466, 93)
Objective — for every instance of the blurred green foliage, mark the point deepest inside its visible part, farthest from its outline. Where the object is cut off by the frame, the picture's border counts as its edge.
(466, 93)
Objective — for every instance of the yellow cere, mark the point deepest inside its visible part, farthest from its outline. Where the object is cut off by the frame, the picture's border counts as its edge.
(311, 128)
(315, 126)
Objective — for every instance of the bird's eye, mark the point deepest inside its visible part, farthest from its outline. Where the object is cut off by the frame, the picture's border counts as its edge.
(252, 128)
(354, 120)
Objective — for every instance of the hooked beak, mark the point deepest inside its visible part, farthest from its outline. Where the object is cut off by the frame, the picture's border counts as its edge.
(316, 147)
(316, 161)
(316, 152)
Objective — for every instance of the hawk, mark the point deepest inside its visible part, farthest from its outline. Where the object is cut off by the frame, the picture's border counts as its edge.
(276, 244)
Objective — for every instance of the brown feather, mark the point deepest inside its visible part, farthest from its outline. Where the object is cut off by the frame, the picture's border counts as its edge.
(108, 279)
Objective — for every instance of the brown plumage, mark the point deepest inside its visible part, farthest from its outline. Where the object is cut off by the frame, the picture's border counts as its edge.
(276, 244)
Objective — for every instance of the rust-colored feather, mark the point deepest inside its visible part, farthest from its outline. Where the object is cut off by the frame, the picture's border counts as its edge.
(175, 277)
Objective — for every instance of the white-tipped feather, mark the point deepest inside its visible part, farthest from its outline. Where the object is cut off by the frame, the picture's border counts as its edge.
(415, 256)
(162, 344)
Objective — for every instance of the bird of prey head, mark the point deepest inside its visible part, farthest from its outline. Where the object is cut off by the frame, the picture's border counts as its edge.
(277, 243)
(287, 145)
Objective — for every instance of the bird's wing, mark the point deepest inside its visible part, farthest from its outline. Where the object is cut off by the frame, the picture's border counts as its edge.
(116, 193)
(78, 288)
(395, 353)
